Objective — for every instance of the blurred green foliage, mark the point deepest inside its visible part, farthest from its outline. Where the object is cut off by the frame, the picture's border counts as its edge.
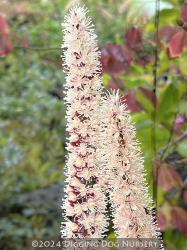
(32, 134)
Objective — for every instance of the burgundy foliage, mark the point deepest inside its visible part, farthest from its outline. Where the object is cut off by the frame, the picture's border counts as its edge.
(185, 196)
(184, 12)
(176, 44)
(162, 221)
(179, 219)
(177, 41)
(167, 32)
(168, 177)
(115, 58)
(118, 58)
(130, 99)
(133, 39)
(5, 42)
(179, 122)
(115, 83)
(150, 95)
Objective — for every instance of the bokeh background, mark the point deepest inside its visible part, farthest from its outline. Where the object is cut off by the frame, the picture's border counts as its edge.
(32, 113)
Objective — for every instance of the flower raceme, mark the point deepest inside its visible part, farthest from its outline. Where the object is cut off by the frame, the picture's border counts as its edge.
(103, 153)
(85, 202)
(130, 202)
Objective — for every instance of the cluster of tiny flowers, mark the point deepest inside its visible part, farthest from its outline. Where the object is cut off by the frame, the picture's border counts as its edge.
(103, 153)
(85, 202)
(131, 204)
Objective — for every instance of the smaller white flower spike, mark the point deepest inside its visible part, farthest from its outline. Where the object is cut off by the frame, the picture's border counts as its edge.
(84, 203)
(121, 156)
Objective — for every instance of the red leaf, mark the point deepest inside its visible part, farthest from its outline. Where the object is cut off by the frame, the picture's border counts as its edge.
(179, 122)
(168, 177)
(176, 44)
(130, 100)
(168, 31)
(184, 12)
(149, 94)
(179, 219)
(185, 196)
(144, 59)
(3, 26)
(162, 222)
(127, 54)
(133, 38)
(115, 83)
(115, 58)
(112, 85)
(5, 43)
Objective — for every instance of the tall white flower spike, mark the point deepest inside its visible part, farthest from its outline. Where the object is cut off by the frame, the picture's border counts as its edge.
(84, 203)
(131, 204)
(103, 153)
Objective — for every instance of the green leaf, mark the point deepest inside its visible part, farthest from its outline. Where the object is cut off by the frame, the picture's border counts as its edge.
(105, 79)
(129, 84)
(168, 16)
(182, 148)
(168, 104)
(183, 107)
(145, 102)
